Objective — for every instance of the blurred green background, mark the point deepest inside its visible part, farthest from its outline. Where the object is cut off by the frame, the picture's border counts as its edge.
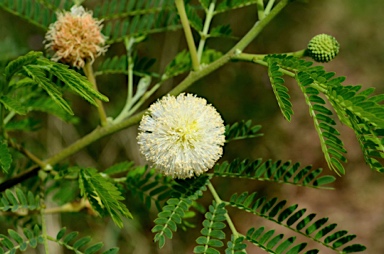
(238, 91)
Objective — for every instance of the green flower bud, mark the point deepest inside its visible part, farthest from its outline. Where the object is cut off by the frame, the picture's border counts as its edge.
(323, 48)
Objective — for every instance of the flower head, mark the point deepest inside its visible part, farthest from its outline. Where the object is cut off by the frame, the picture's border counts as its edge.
(182, 136)
(323, 48)
(75, 37)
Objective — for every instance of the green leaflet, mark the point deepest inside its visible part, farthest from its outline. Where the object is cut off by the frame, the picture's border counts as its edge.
(119, 65)
(236, 246)
(13, 105)
(149, 187)
(22, 200)
(278, 171)
(275, 243)
(103, 195)
(212, 233)
(194, 20)
(34, 11)
(292, 218)
(17, 64)
(312, 81)
(37, 70)
(175, 210)
(279, 89)
(242, 130)
(15, 241)
(182, 62)
(70, 242)
(37, 76)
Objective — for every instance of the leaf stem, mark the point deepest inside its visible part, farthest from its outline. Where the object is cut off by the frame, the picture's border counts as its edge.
(188, 33)
(260, 9)
(91, 77)
(128, 104)
(204, 33)
(27, 153)
(269, 7)
(42, 176)
(219, 201)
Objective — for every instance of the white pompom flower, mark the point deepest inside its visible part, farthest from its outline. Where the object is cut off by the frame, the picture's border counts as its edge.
(181, 136)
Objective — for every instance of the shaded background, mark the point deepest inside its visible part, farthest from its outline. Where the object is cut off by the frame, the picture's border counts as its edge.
(238, 91)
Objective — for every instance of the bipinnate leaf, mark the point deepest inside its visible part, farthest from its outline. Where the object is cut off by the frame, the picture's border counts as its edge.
(79, 246)
(241, 130)
(292, 218)
(17, 64)
(278, 171)
(13, 105)
(212, 233)
(103, 195)
(15, 241)
(236, 245)
(279, 89)
(168, 219)
(22, 200)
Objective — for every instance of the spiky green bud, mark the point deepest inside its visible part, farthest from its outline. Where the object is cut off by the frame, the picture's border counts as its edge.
(323, 48)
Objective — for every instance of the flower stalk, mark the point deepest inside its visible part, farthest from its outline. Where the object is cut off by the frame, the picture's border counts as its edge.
(91, 77)
(188, 33)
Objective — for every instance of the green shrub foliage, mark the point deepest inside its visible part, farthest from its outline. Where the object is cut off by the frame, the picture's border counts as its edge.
(32, 179)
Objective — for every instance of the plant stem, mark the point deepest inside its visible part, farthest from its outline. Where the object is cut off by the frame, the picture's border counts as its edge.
(257, 59)
(204, 34)
(260, 9)
(42, 176)
(69, 207)
(91, 77)
(128, 104)
(219, 201)
(188, 33)
(27, 153)
(269, 6)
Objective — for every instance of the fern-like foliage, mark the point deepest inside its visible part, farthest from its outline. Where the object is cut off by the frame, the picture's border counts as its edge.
(168, 219)
(78, 246)
(309, 78)
(359, 109)
(26, 201)
(149, 187)
(36, 12)
(212, 233)
(270, 242)
(236, 245)
(130, 18)
(38, 71)
(364, 114)
(297, 220)
(119, 65)
(182, 62)
(331, 144)
(278, 171)
(241, 130)
(280, 90)
(14, 241)
(185, 191)
(103, 195)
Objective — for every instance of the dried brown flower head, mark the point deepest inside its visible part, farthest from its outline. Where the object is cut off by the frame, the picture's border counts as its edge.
(75, 37)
